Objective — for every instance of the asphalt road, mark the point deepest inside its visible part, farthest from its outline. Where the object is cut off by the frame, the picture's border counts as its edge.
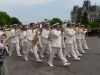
(88, 65)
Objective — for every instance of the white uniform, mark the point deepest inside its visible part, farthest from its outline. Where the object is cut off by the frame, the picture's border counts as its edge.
(44, 41)
(83, 40)
(30, 46)
(14, 42)
(69, 34)
(79, 39)
(1, 32)
(75, 45)
(39, 45)
(56, 47)
(21, 40)
(24, 39)
(8, 40)
(4, 40)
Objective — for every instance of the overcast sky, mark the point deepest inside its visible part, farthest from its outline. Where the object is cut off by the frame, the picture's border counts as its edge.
(36, 10)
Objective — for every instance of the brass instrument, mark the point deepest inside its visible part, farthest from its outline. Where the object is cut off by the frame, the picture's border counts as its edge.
(36, 38)
(62, 31)
(49, 37)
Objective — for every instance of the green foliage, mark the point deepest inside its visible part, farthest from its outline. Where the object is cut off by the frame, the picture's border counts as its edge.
(5, 19)
(56, 20)
(15, 20)
(94, 24)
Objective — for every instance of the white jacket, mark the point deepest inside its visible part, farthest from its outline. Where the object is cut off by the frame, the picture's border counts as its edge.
(44, 36)
(56, 39)
(78, 33)
(23, 35)
(83, 34)
(69, 34)
(45, 33)
(12, 36)
(29, 35)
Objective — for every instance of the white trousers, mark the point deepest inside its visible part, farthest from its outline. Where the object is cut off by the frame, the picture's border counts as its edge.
(21, 44)
(29, 48)
(70, 50)
(84, 44)
(24, 47)
(75, 48)
(14, 46)
(79, 43)
(44, 47)
(60, 54)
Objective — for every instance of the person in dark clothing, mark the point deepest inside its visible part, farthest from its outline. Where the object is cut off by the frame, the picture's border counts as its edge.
(3, 68)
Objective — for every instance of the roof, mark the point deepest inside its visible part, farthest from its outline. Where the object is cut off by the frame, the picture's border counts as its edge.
(87, 4)
(93, 8)
(75, 8)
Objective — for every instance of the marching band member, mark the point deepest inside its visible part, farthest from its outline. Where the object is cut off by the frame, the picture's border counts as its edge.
(30, 46)
(83, 37)
(8, 39)
(44, 39)
(79, 38)
(69, 34)
(75, 42)
(4, 39)
(1, 33)
(56, 46)
(14, 41)
(24, 39)
(20, 38)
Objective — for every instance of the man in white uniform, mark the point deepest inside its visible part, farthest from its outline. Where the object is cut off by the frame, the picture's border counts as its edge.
(44, 40)
(24, 39)
(30, 46)
(83, 37)
(75, 42)
(56, 43)
(14, 41)
(79, 38)
(1, 33)
(69, 34)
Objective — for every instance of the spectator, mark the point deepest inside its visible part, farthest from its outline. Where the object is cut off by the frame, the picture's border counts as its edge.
(3, 68)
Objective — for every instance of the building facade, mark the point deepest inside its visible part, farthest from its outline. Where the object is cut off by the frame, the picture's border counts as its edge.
(92, 11)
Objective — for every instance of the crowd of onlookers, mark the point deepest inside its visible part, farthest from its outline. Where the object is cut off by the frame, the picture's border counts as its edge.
(93, 32)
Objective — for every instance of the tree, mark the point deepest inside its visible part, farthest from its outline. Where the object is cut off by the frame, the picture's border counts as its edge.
(5, 19)
(56, 20)
(94, 24)
(15, 20)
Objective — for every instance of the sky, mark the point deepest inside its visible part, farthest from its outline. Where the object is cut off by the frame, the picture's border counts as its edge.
(36, 10)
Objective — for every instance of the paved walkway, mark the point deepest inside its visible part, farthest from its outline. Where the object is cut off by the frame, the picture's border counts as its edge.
(88, 65)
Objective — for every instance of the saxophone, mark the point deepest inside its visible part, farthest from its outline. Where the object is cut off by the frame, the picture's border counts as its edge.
(49, 37)
(36, 38)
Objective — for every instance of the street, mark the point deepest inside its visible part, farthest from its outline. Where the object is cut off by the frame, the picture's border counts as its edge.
(88, 65)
